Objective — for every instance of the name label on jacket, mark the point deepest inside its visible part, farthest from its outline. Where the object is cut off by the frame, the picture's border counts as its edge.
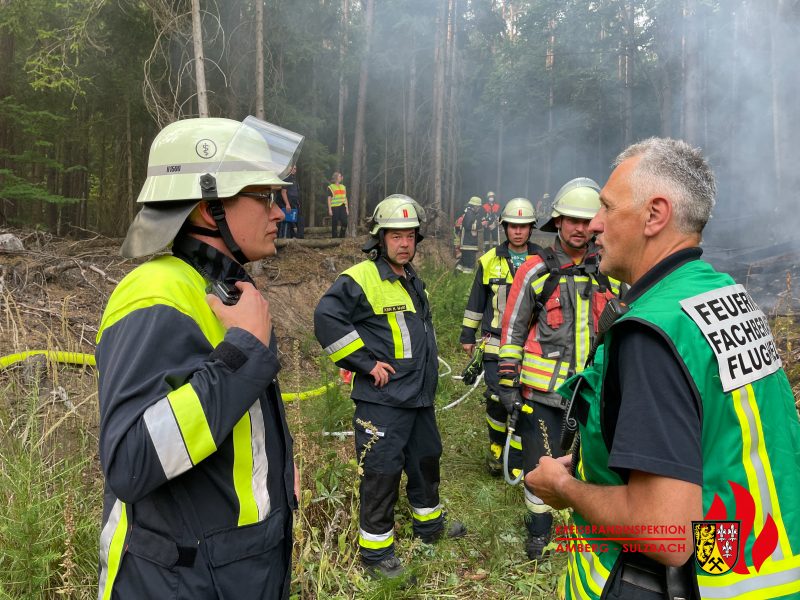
(738, 333)
(395, 308)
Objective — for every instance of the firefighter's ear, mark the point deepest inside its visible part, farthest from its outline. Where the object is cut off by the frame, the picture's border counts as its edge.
(658, 214)
(202, 212)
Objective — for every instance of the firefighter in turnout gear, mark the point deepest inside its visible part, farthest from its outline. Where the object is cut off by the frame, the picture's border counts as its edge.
(483, 317)
(197, 458)
(470, 225)
(549, 323)
(687, 420)
(375, 320)
(491, 218)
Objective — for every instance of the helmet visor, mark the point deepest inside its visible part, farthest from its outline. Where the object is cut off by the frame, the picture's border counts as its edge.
(258, 146)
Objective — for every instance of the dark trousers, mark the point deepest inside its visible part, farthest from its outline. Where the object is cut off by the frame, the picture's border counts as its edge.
(496, 415)
(390, 441)
(338, 216)
(541, 436)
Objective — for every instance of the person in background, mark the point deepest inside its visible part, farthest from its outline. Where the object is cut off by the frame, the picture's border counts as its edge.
(549, 324)
(290, 198)
(490, 221)
(337, 206)
(470, 225)
(375, 320)
(194, 446)
(687, 420)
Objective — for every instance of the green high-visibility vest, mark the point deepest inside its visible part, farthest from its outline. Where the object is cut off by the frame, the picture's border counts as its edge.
(750, 435)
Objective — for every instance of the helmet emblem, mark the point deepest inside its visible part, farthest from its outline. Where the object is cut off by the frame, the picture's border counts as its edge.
(405, 213)
(519, 212)
(205, 148)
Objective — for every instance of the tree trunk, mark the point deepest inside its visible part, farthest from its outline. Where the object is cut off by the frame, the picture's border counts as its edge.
(452, 124)
(410, 110)
(692, 74)
(438, 111)
(785, 49)
(199, 60)
(354, 202)
(260, 83)
(129, 159)
(342, 89)
(626, 71)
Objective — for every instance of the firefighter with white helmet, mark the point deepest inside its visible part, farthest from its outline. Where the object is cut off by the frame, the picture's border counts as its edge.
(375, 320)
(187, 364)
(483, 320)
(550, 321)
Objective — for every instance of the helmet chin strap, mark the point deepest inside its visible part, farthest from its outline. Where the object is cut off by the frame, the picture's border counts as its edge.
(208, 186)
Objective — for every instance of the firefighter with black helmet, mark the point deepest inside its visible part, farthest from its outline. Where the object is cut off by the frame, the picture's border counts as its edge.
(194, 447)
(375, 320)
(483, 320)
(549, 323)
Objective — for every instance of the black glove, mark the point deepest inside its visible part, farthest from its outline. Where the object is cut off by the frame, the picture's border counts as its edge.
(509, 398)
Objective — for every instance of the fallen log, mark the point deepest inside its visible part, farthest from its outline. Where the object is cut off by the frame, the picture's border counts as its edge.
(309, 243)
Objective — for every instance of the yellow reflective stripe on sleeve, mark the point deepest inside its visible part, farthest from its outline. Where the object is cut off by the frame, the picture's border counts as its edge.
(347, 350)
(516, 442)
(193, 423)
(375, 541)
(470, 323)
(243, 471)
(112, 542)
(511, 351)
(757, 467)
(471, 315)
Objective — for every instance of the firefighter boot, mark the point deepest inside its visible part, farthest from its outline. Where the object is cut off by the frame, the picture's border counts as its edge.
(451, 529)
(540, 530)
(388, 568)
(494, 465)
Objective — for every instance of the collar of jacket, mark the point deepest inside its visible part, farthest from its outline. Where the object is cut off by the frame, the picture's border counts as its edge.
(661, 270)
(386, 272)
(502, 249)
(208, 261)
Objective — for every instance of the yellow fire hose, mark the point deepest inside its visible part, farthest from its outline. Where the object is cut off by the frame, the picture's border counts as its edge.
(81, 358)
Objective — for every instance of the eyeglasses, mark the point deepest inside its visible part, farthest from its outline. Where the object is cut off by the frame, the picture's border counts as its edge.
(267, 199)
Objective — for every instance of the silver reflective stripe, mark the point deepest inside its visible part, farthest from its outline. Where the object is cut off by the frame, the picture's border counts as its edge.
(409, 220)
(425, 511)
(761, 582)
(375, 537)
(260, 463)
(167, 439)
(598, 578)
(471, 314)
(498, 425)
(342, 342)
(529, 276)
(404, 333)
(212, 166)
(105, 543)
(745, 394)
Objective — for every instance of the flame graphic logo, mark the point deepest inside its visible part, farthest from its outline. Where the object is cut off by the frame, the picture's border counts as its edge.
(767, 539)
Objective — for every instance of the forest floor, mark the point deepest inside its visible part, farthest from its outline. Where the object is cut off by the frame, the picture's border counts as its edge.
(51, 298)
